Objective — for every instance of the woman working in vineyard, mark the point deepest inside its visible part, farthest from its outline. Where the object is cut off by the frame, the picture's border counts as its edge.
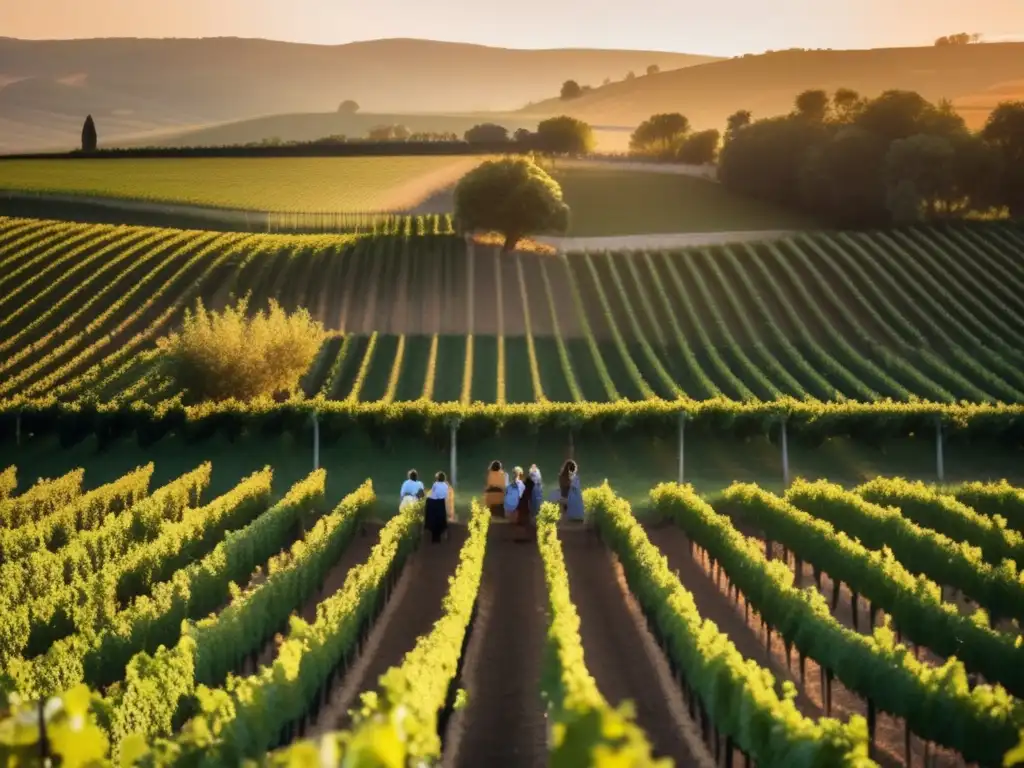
(412, 490)
(570, 492)
(529, 504)
(435, 514)
(494, 489)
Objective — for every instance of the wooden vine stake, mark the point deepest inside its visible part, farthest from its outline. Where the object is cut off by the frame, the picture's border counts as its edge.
(316, 440)
(785, 456)
(454, 452)
(682, 445)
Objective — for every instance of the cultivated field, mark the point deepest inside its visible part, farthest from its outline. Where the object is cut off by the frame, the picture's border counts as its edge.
(143, 608)
(930, 314)
(284, 185)
(184, 581)
(614, 201)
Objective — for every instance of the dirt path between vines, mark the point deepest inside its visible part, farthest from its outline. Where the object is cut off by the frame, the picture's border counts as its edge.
(621, 654)
(414, 606)
(504, 722)
(655, 242)
(745, 631)
(357, 551)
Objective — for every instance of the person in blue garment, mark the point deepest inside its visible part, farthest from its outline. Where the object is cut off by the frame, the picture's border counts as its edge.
(535, 485)
(570, 491)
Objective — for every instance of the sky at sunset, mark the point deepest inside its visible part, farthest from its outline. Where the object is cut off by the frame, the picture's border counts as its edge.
(726, 27)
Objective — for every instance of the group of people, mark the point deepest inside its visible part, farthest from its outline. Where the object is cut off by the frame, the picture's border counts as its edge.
(517, 496)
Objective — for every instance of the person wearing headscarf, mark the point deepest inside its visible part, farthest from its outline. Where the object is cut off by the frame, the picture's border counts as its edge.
(570, 491)
(535, 487)
(529, 504)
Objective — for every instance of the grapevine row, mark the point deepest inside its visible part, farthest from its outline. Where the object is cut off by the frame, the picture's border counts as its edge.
(937, 704)
(914, 602)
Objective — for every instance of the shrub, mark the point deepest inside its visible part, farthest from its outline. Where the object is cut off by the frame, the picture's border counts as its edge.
(229, 354)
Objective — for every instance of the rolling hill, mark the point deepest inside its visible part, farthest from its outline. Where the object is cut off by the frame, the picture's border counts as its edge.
(974, 77)
(138, 86)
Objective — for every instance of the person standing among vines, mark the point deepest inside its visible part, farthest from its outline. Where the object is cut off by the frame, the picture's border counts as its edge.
(494, 490)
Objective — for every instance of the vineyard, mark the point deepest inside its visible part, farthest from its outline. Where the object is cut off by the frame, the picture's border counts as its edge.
(907, 316)
(826, 626)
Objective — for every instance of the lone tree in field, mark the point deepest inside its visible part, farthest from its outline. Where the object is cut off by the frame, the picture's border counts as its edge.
(564, 136)
(571, 90)
(514, 197)
(89, 138)
(487, 133)
(653, 69)
(348, 107)
(229, 354)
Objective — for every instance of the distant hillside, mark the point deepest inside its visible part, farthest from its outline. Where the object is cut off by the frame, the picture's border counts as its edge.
(974, 77)
(135, 86)
(308, 126)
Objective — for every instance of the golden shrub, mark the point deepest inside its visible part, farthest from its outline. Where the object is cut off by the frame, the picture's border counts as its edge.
(232, 354)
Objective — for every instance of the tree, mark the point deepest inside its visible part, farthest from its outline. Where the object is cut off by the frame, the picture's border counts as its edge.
(813, 105)
(763, 160)
(486, 133)
(89, 139)
(1004, 131)
(348, 107)
(512, 196)
(388, 133)
(522, 135)
(564, 136)
(901, 114)
(841, 180)
(960, 38)
(571, 90)
(606, 81)
(979, 174)
(736, 122)
(659, 135)
(924, 164)
(631, 75)
(699, 148)
(847, 105)
(229, 354)
(653, 69)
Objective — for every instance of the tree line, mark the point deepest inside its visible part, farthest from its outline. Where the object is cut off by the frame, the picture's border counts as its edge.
(895, 159)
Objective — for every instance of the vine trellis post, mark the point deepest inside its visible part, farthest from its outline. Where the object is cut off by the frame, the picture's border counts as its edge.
(316, 440)
(454, 426)
(785, 455)
(682, 446)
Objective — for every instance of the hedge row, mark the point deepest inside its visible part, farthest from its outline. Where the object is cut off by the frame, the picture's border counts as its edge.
(810, 420)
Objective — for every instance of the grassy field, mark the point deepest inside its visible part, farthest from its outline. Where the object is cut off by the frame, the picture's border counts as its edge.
(253, 184)
(619, 202)
(929, 314)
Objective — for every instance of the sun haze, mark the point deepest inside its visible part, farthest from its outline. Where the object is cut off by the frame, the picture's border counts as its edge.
(680, 25)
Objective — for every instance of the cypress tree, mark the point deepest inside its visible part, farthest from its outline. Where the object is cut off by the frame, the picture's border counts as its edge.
(89, 139)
